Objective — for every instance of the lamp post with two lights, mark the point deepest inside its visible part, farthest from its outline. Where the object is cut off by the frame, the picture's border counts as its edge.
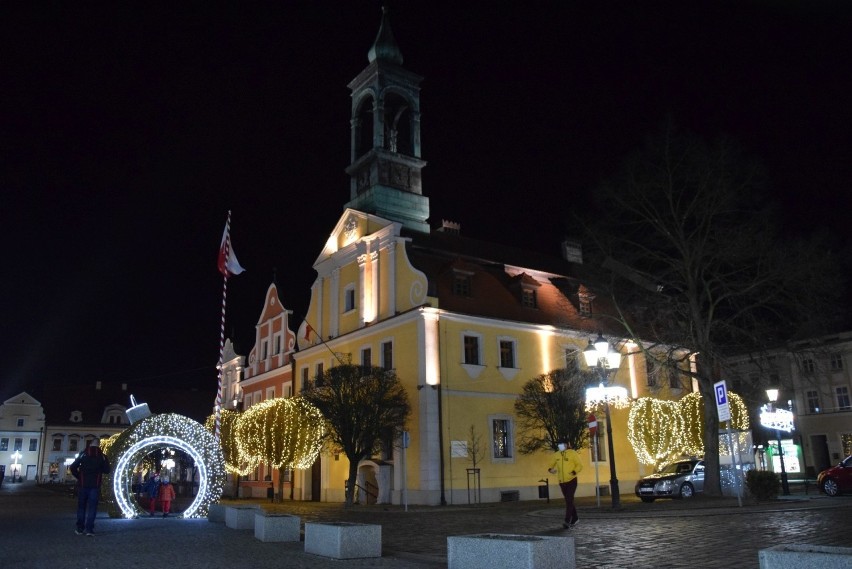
(599, 355)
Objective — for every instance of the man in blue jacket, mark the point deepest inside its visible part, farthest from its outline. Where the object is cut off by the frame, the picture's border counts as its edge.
(89, 469)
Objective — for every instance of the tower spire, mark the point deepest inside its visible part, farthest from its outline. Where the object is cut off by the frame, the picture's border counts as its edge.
(385, 46)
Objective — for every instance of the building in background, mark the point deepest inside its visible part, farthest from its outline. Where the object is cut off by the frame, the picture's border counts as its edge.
(815, 383)
(22, 424)
(269, 374)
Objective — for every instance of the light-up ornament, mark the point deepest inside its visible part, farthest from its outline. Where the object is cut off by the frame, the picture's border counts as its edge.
(167, 431)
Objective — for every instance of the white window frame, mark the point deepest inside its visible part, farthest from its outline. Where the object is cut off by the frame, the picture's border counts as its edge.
(270, 392)
(510, 436)
(473, 369)
(841, 395)
(508, 372)
(812, 400)
(835, 360)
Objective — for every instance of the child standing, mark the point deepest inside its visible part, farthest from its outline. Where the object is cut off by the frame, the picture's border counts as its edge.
(167, 494)
(152, 489)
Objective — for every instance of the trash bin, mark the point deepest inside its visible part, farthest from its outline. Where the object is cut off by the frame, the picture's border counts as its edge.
(544, 491)
(270, 493)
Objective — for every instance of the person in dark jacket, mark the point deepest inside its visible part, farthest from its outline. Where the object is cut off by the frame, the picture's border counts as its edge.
(152, 489)
(89, 469)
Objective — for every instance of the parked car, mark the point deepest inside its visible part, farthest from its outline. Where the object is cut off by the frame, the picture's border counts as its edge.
(837, 479)
(681, 479)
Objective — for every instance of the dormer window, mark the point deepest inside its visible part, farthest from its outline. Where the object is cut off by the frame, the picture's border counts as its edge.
(76, 417)
(528, 298)
(462, 283)
(585, 300)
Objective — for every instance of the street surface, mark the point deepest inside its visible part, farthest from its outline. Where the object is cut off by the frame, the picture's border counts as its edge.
(37, 529)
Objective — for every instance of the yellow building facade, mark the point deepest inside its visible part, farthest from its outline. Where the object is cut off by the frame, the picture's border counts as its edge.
(464, 323)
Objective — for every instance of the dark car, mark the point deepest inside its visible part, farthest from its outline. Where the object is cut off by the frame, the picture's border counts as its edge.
(681, 479)
(837, 479)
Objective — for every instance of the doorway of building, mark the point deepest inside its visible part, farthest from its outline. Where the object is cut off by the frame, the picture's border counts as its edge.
(819, 449)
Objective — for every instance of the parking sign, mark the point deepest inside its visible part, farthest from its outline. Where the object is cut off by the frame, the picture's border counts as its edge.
(721, 391)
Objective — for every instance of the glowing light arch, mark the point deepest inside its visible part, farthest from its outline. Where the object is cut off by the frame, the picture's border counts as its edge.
(158, 432)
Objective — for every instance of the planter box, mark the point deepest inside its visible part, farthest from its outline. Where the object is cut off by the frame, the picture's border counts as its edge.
(805, 556)
(276, 527)
(240, 517)
(502, 551)
(341, 540)
(216, 513)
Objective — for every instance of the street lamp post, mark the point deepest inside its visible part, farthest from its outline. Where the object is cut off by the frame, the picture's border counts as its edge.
(600, 355)
(772, 395)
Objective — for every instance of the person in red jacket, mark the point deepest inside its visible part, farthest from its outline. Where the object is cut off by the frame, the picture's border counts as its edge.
(167, 494)
(89, 469)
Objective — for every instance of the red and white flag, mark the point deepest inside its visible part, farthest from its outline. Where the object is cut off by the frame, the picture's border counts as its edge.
(228, 264)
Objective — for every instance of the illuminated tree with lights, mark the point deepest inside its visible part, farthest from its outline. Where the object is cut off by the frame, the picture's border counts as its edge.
(688, 242)
(692, 413)
(661, 432)
(283, 433)
(655, 430)
(552, 408)
(236, 464)
(363, 407)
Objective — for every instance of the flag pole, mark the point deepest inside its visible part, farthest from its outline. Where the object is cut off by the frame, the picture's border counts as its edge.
(218, 409)
(309, 329)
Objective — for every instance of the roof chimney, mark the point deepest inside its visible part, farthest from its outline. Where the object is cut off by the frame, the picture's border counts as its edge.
(572, 251)
(450, 227)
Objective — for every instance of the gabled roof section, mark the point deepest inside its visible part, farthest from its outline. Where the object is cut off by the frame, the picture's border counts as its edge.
(272, 305)
(22, 398)
(350, 228)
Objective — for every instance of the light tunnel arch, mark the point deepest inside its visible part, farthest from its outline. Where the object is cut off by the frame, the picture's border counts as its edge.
(158, 432)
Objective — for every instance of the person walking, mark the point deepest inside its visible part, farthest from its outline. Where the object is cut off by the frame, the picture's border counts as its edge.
(566, 465)
(89, 469)
(152, 490)
(167, 494)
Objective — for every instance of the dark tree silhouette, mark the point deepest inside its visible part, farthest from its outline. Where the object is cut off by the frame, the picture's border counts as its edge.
(551, 408)
(363, 406)
(696, 263)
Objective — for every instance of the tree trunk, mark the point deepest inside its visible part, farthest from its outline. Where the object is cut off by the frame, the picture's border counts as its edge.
(350, 484)
(280, 497)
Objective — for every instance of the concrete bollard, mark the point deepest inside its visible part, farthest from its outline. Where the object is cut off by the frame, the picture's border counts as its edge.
(276, 527)
(805, 557)
(507, 551)
(343, 540)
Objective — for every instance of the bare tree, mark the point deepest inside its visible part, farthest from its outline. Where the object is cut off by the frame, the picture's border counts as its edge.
(551, 408)
(364, 407)
(696, 264)
(474, 447)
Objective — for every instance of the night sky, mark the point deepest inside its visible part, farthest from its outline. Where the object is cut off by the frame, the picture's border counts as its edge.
(128, 133)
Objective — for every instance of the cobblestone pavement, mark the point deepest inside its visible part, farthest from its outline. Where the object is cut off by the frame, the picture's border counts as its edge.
(37, 525)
